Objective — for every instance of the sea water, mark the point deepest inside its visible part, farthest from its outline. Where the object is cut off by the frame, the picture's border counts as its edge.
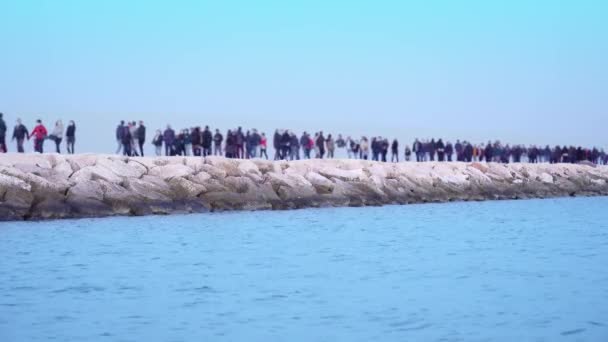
(531, 270)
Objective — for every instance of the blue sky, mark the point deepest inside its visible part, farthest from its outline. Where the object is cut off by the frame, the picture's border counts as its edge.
(519, 71)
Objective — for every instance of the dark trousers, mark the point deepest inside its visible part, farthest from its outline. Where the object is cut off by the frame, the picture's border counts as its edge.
(263, 153)
(206, 151)
(38, 145)
(168, 149)
(141, 146)
(3, 144)
(70, 146)
(20, 148)
(440, 156)
(126, 149)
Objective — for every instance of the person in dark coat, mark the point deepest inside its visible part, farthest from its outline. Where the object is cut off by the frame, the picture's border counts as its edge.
(70, 135)
(305, 144)
(240, 143)
(2, 135)
(285, 142)
(197, 140)
(169, 139)
(321, 144)
(126, 141)
(488, 152)
(141, 137)
(119, 132)
(449, 151)
(395, 151)
(20, 133)
(207, 141)
(230, 145)
(440, 150)
(418, 150)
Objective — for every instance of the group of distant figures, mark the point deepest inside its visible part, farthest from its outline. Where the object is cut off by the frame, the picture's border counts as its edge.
(237, 143)
(39, 134)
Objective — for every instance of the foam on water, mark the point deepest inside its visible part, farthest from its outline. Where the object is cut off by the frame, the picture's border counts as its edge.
(502, 271)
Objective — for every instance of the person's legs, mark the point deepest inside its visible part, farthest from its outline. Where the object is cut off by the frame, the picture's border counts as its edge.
(141, 147)
(120, 145)
(20, 148)
(58, 144)
(3, 144)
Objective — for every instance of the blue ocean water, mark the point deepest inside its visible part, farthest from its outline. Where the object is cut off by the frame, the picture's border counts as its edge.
(533, 270)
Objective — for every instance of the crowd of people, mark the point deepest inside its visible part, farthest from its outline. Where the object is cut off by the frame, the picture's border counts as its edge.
(39, 135)
(287, 145)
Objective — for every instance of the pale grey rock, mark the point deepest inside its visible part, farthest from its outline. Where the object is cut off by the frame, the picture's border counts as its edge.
(34, 186)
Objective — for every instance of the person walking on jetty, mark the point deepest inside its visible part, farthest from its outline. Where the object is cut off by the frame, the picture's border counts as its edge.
(395, 151)
(449, 151)
(230, 145)
(141, 137)
(3, 129)
(127, 141)
(57, 135)
(187, 142)
(39, 133)
(384, 145)
(294, 147)
(408, 153)
(119, 133)
(240, 143)
(305, 143)
(217, 143)
(157, 141)
(169, 140)
(133, 130)
(70, 135)
(207, 140)
(20, 133)
(417, 148)
(331, 147)
(321, 144)
(196, 136)
(440, 150)
(2, 134)
(364, 148)
(263, 146)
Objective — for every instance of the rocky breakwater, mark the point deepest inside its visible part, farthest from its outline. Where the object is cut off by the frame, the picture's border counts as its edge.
(51, 186)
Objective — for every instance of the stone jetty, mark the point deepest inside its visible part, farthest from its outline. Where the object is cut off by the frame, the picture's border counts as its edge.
(52, 186)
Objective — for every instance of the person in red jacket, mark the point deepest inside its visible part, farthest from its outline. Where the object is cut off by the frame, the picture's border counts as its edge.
(39, 133)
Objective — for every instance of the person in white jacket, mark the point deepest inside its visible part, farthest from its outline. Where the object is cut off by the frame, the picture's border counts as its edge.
(57, 135)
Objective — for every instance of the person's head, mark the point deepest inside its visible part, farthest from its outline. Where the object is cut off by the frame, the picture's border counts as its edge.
(39, 121)
(122, 122)
(206, 128)
(217, 130)
(158, 131)
(58, 123)
(168, 126)
(141, 122)
(263, 134)
(72, 123)
(18, 121)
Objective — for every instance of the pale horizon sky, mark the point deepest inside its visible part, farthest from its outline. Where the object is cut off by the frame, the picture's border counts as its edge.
(530, 72)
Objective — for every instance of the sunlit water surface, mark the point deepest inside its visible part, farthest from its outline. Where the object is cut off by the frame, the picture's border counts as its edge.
(534, 270)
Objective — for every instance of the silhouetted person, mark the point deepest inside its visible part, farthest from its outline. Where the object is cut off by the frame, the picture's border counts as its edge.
(39, 133)
(2, 134)
(157, 141)
(20, 133)
(207, 141)
(169, 139)
(141, 137)
(440, 150)
(217, 143)
(395, 151)
(70, 135)
(119, 133)
(263, 146)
